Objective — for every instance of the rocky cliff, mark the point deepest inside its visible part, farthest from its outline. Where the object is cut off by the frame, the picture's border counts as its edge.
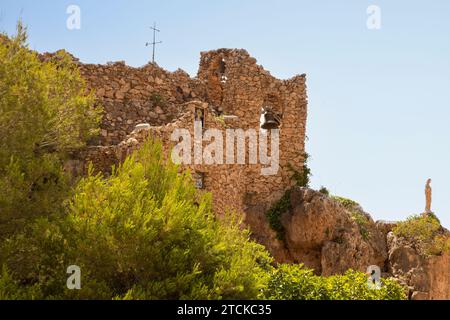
(426, 275)
(332, 235)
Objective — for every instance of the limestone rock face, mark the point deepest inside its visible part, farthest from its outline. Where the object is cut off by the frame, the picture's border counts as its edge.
(428, 277)
(321, 233)
(324, 234)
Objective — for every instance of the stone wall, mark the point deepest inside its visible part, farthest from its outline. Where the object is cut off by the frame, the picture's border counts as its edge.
(138, 95)
(236, 85)
(130, 96)
(232, 89)
(223, 180)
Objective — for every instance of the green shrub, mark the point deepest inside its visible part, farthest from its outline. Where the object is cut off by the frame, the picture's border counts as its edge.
(417, 227)
(294, 282)
(10, 289)
(347, 203)
(274, 214)
(352, 285)
(44, 113)
(324, 191)
(44, 107)
(439, 245)
(426, 230)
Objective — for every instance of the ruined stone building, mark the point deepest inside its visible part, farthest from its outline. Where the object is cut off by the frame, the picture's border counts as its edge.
(231, 91)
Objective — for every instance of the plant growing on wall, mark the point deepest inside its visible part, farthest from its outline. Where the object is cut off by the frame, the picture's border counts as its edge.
(274, 214)
(283, 205)
(158, 100)
(324, 190)
(302, 178)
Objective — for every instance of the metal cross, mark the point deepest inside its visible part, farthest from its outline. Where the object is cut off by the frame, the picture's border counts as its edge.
(154, 43)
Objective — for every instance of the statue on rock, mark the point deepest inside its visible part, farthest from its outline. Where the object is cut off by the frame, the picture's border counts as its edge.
(428, 191)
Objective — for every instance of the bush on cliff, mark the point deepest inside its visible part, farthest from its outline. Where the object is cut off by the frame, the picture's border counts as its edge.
(417, 227)
(426, 231)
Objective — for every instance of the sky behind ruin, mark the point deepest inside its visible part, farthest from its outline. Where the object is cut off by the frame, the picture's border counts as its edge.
(379, 100)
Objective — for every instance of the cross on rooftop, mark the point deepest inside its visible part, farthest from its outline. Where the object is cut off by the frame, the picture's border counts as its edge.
(154, 43)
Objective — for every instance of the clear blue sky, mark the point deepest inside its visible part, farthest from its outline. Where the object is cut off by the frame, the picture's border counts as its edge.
(379, 116)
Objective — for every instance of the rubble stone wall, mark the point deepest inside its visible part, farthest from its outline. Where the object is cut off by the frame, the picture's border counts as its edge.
(232, 90)
(236, 85)
(138, 95)
(229, 83)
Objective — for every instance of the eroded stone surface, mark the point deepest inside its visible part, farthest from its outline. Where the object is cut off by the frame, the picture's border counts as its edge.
(428, 276)
(321, 233)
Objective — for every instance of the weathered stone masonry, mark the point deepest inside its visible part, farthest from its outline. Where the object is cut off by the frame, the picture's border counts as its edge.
(229, 84)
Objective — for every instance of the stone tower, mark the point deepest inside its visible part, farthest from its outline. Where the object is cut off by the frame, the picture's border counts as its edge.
(236, 85)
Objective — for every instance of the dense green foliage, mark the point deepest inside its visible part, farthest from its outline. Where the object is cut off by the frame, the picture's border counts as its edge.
(417, 227)
(44, 113)
(143, 233)
(294, 282)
